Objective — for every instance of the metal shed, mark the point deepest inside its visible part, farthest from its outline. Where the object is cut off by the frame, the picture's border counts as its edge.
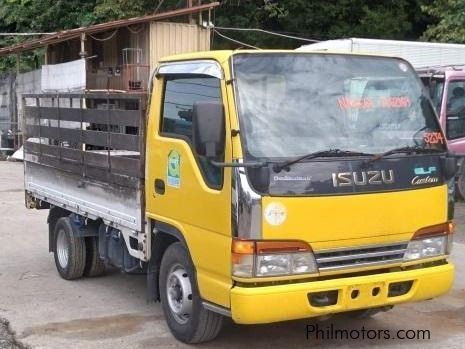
(116, 56)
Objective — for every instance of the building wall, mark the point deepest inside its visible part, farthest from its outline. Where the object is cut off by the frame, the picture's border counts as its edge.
(106, 55)
(64, 51)
(173, 38)
(7, 106)
(29, 82)
(111, 62)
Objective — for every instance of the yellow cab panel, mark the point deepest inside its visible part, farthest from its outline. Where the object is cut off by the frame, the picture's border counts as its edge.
(191, 191)
(338, 221)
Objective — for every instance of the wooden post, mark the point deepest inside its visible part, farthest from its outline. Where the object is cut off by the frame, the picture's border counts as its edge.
(15, 126)
(83, 53)
(189, 5)
(18, 61)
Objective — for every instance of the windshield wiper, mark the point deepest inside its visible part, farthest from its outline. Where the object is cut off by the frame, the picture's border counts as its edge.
(278, 167)
(410, 149)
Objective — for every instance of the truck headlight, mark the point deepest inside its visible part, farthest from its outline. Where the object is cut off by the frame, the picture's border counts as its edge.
(285, 264)
(429, 247)
(271, 258)
(430, 242)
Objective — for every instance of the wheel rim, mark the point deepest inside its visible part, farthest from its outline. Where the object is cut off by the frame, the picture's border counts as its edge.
(179, 294)
(62, 249)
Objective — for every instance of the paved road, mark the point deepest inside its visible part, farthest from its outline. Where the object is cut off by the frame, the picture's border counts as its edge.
(111, 312)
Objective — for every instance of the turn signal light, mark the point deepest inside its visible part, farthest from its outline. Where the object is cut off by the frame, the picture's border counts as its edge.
(434, 230)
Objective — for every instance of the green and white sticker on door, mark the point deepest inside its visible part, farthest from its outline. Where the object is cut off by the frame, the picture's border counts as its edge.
(173, 172)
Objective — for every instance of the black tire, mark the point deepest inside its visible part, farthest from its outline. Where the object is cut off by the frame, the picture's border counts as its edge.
(202, 325)
(73, 267)
(460, 183)
(94, 265)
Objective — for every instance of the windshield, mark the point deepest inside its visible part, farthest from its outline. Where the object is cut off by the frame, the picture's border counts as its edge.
(294, 104)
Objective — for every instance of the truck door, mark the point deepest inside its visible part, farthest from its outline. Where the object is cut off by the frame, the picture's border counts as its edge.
(183, 189)
(453, 113)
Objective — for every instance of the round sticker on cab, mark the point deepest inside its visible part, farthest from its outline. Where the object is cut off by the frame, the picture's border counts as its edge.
(275, 213)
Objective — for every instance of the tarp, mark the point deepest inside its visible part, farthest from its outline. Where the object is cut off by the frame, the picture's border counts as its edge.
(64, 77)
(17, 156)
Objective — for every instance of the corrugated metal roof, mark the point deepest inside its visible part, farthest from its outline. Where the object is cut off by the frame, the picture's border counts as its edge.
(75, 33)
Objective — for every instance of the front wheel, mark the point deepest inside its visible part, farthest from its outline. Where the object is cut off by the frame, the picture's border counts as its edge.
(187, 319)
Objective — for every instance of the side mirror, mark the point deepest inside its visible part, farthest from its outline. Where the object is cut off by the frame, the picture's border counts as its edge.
(450, 167)
(208, 128)
(260, 178)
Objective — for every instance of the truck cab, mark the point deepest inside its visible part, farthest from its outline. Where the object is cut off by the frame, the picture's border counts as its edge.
(318, 224)
(277, 185)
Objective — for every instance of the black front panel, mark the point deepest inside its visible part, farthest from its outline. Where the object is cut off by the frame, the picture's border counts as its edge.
(351, 176)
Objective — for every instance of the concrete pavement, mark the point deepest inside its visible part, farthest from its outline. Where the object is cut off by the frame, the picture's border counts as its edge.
(46, 311)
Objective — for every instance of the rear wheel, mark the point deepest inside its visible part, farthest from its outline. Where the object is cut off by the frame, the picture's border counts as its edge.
(187, 318)
(69, 251)
(94, 265)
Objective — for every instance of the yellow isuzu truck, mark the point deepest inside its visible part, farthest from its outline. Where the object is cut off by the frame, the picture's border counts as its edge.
(258, 185)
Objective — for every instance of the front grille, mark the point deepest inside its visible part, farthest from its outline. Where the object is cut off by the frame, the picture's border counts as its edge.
(357, 257)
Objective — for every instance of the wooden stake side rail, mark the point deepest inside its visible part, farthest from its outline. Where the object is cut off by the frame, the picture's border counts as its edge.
(118, 117)
(59, 136)
(116, 141)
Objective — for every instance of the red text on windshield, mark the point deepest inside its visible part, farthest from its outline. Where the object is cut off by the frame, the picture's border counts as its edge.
(346, 102)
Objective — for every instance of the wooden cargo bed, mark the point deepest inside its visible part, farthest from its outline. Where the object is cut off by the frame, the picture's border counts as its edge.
(86, 153)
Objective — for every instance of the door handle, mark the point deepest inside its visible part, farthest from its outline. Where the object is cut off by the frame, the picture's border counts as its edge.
(159, 186)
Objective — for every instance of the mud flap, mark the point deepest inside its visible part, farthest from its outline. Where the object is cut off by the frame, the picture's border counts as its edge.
(153, 271)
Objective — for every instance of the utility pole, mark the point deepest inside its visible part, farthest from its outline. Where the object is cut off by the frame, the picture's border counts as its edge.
(15, 126)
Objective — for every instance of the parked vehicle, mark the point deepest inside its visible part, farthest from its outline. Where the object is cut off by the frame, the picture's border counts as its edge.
(422, 55)
(261, 185)
(441, 68)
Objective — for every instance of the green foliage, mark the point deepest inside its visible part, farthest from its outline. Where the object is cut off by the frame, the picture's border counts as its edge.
(28, 61)
(116, 9)
(39, 16)
(46, 15)
(450, 21)
(321, 19)
(107, 10)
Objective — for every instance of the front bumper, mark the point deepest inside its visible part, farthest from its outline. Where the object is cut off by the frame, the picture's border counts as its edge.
(254, 305)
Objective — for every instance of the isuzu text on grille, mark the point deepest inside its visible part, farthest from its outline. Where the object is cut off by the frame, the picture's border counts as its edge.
(344, 179)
